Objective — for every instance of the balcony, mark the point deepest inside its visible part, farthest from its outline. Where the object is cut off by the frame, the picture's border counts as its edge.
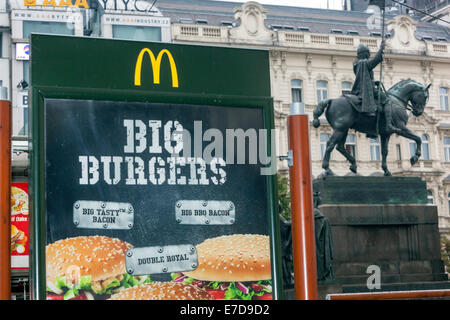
(293, 39)
(193, 32)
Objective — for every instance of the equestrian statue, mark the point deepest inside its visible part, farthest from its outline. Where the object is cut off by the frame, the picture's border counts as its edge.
(370, 109)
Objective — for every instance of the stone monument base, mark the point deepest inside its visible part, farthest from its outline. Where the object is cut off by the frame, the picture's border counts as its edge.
(381, 223)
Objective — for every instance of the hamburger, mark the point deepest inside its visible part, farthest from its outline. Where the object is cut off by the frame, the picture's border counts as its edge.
(162, 291)
(18, 237)
(233, 267)
(88, 268)
(19, 201)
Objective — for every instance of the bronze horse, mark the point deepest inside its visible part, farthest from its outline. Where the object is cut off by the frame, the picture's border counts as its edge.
(342, 115)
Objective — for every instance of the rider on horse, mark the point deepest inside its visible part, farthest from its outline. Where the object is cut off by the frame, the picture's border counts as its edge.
(364, 86)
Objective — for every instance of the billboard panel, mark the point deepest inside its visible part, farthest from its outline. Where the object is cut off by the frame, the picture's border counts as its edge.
(153, 180)
(19, 226)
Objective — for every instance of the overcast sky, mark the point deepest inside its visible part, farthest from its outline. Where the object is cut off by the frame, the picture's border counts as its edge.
(331, 4)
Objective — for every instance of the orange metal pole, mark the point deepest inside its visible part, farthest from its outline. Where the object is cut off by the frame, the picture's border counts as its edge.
(415, 294)
(303, 236)
(5, 200)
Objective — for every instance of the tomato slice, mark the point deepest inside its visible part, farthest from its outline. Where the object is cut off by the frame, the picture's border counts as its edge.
(266, 296)
(52, 296)
(80, 297)
(217, 294)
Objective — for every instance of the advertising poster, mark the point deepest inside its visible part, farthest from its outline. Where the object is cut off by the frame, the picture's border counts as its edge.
(148, 199)
(19, 226)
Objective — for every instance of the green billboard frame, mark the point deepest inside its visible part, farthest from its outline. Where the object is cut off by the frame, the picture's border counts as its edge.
(66, 67)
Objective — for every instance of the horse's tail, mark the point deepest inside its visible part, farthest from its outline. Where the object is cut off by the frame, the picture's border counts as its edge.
(319, 110)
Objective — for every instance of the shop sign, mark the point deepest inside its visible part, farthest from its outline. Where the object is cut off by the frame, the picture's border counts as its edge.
(19, 226)
(22, 51)
(110, 5)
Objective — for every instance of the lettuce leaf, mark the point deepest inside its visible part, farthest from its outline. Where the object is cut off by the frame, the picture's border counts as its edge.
(214, 285)
(115, 283)
(72, 293)
(234, 293)
(84, 284)
(148, 280)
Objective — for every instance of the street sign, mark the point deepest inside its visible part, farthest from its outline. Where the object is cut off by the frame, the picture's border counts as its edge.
(144, 147)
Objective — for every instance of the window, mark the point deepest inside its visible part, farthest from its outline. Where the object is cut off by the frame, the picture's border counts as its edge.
(226, 23)
(448, 197)
(24, 130)
(324, 137)
(1, 44)
(350, 145)
(322, 90)
(46, 27)
(346, 87)
(425, 147)
(375, 149)
(412, 148)
(443, 98)
(447, 149)
(399, 152)
(137, 33)
(296, 90)
(26, 71)
(430, 196)
(186, 20)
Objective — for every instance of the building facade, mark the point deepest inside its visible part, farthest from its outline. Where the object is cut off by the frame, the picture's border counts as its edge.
(311, 54)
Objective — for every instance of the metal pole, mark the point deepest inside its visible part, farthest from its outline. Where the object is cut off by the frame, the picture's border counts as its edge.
(5, 195)
(381, 75)
(303, 236)
(381, 65)
(414, 294)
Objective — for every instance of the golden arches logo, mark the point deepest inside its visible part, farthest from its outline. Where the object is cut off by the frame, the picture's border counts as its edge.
(156, 66)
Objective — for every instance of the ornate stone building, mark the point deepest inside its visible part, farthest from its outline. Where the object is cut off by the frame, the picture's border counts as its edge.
(311, 55)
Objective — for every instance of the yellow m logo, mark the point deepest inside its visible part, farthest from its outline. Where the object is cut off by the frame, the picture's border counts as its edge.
(156, 66)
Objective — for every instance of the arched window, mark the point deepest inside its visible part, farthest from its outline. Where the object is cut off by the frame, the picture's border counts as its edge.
(443, 98)
(346, 87)
(324, 137)
(430, 196)
(375, 149)
(322, 90)
(296, 90)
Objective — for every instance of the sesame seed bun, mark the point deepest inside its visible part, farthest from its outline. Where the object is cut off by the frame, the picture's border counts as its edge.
(162, 291)
(239, 257)
(98, 256)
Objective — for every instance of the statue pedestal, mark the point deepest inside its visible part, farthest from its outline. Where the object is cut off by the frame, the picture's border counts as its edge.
(383, 222)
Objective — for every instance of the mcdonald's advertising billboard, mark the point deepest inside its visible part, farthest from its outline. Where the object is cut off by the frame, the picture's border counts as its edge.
(153, 172)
